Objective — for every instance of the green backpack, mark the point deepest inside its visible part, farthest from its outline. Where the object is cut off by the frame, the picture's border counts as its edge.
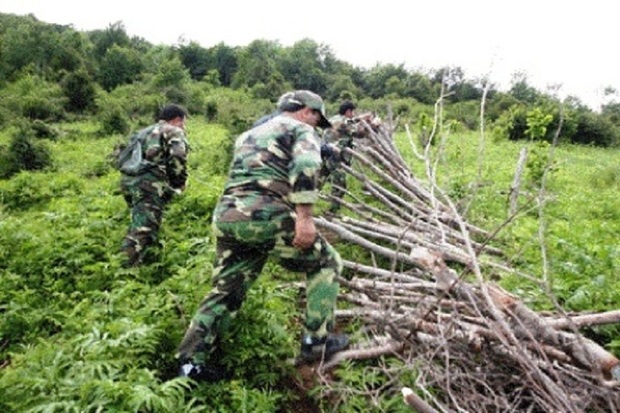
(130, 160)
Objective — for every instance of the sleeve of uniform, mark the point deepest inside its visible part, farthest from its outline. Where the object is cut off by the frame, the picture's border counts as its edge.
(305, 166)
(176, 156)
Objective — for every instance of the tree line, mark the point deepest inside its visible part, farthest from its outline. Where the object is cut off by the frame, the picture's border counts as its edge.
(51, 72)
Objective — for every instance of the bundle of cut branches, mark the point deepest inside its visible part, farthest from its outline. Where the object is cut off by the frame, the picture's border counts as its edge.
(423, 293)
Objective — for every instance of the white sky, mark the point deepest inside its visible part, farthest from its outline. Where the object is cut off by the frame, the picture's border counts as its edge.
(571, 44)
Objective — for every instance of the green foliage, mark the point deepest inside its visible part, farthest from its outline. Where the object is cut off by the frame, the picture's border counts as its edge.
(114, 121)
(80, 90)
(26, 190)
(611, 111)
(80, 333)
(84, 374)
(137, 102)
(170, 73)
(211, 147)
(48, 49)
(195, 58)
(465, 113)
(522, 91)
(257, 63)
(512, 124)
(538, 163)
(42, 129)
(260, 340)
(33, 97)
(595, 130)
(537, 122)
(119, 66)
(24, 153)
(303, 65)
(235, 110)
(374, 390)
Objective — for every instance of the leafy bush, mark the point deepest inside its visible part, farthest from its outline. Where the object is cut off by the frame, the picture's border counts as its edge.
(80, 90)
(34, 97)
(235, 110)
(114, 121)
(24, 153)
(44, 130)
(595, 130)
(26, 190)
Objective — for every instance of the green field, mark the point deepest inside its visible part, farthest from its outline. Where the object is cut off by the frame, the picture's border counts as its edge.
(79, 333)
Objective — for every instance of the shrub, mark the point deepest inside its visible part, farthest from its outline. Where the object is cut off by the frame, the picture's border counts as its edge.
(42, 129)
(24, 153)
(595, 130)
(114, 121)
(34, 97)
(80, 91)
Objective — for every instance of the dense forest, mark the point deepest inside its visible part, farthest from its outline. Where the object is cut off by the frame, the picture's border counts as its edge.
(50, 72)
(81, 333)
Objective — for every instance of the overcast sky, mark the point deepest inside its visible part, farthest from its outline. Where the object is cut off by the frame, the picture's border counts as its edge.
(571, 44)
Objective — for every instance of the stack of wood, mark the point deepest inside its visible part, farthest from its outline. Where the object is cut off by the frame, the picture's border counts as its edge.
(422, 290)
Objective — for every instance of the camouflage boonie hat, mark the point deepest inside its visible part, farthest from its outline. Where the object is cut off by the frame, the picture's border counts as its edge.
(305, 98)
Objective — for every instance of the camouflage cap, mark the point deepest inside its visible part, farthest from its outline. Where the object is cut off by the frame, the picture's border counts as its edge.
(284, 98)
(305, 98)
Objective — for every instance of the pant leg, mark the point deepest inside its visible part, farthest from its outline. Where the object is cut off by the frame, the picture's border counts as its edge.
(237, 266)
(147, 210)
(339, 185)
(322, 264)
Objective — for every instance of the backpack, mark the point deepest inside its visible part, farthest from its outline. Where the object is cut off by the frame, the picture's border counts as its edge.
(129, 159)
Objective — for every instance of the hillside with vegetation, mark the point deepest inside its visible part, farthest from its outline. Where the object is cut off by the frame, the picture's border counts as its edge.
(80, 333)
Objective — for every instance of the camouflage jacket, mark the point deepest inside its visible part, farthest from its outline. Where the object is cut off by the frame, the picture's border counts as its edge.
(343, 130)
(275, 166)
(165, 151)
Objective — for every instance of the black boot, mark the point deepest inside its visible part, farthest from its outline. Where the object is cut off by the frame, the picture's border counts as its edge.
(314, 349)
(202, 373)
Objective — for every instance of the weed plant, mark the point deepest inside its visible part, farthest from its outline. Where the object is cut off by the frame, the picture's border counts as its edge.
(79, 333)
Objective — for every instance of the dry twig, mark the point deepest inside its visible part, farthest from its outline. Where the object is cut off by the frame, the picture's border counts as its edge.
(425, 299)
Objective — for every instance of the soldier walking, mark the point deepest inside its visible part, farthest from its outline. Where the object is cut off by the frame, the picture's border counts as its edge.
(345, 127)
(158, 173)
(267, 210)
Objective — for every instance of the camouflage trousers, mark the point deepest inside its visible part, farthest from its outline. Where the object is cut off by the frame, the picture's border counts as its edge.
(338, 179)
(242, 250)
(335, 173)
(147, 208)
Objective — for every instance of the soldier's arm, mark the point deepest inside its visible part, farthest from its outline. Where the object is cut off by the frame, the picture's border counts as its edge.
(304, 166)
(176, 158)
(303, 177)
(305, 230)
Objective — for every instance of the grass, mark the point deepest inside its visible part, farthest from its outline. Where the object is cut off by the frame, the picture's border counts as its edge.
(78, 332)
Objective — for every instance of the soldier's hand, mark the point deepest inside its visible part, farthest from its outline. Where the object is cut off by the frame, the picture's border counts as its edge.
(366, 117)
(305, 230)
(330, 152)
(305, 233)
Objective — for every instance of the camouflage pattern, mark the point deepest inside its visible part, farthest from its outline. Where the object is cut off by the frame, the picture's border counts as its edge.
(341, 134)
(305, 98)
(165, 152)
(275, 166)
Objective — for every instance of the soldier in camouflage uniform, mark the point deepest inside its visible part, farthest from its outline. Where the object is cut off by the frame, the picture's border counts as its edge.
(267, 210)
(163, 174)
(345, 128)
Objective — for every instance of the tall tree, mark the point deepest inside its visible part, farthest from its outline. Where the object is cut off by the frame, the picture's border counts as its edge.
(119, 66)
(521, 89)
(420, 88)
(223, 59)
(103, 40)
(257, 63)
(303, 64)
(196, 59)
(376, 78)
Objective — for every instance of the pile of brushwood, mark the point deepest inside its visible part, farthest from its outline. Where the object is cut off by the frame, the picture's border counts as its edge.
(424, 295)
